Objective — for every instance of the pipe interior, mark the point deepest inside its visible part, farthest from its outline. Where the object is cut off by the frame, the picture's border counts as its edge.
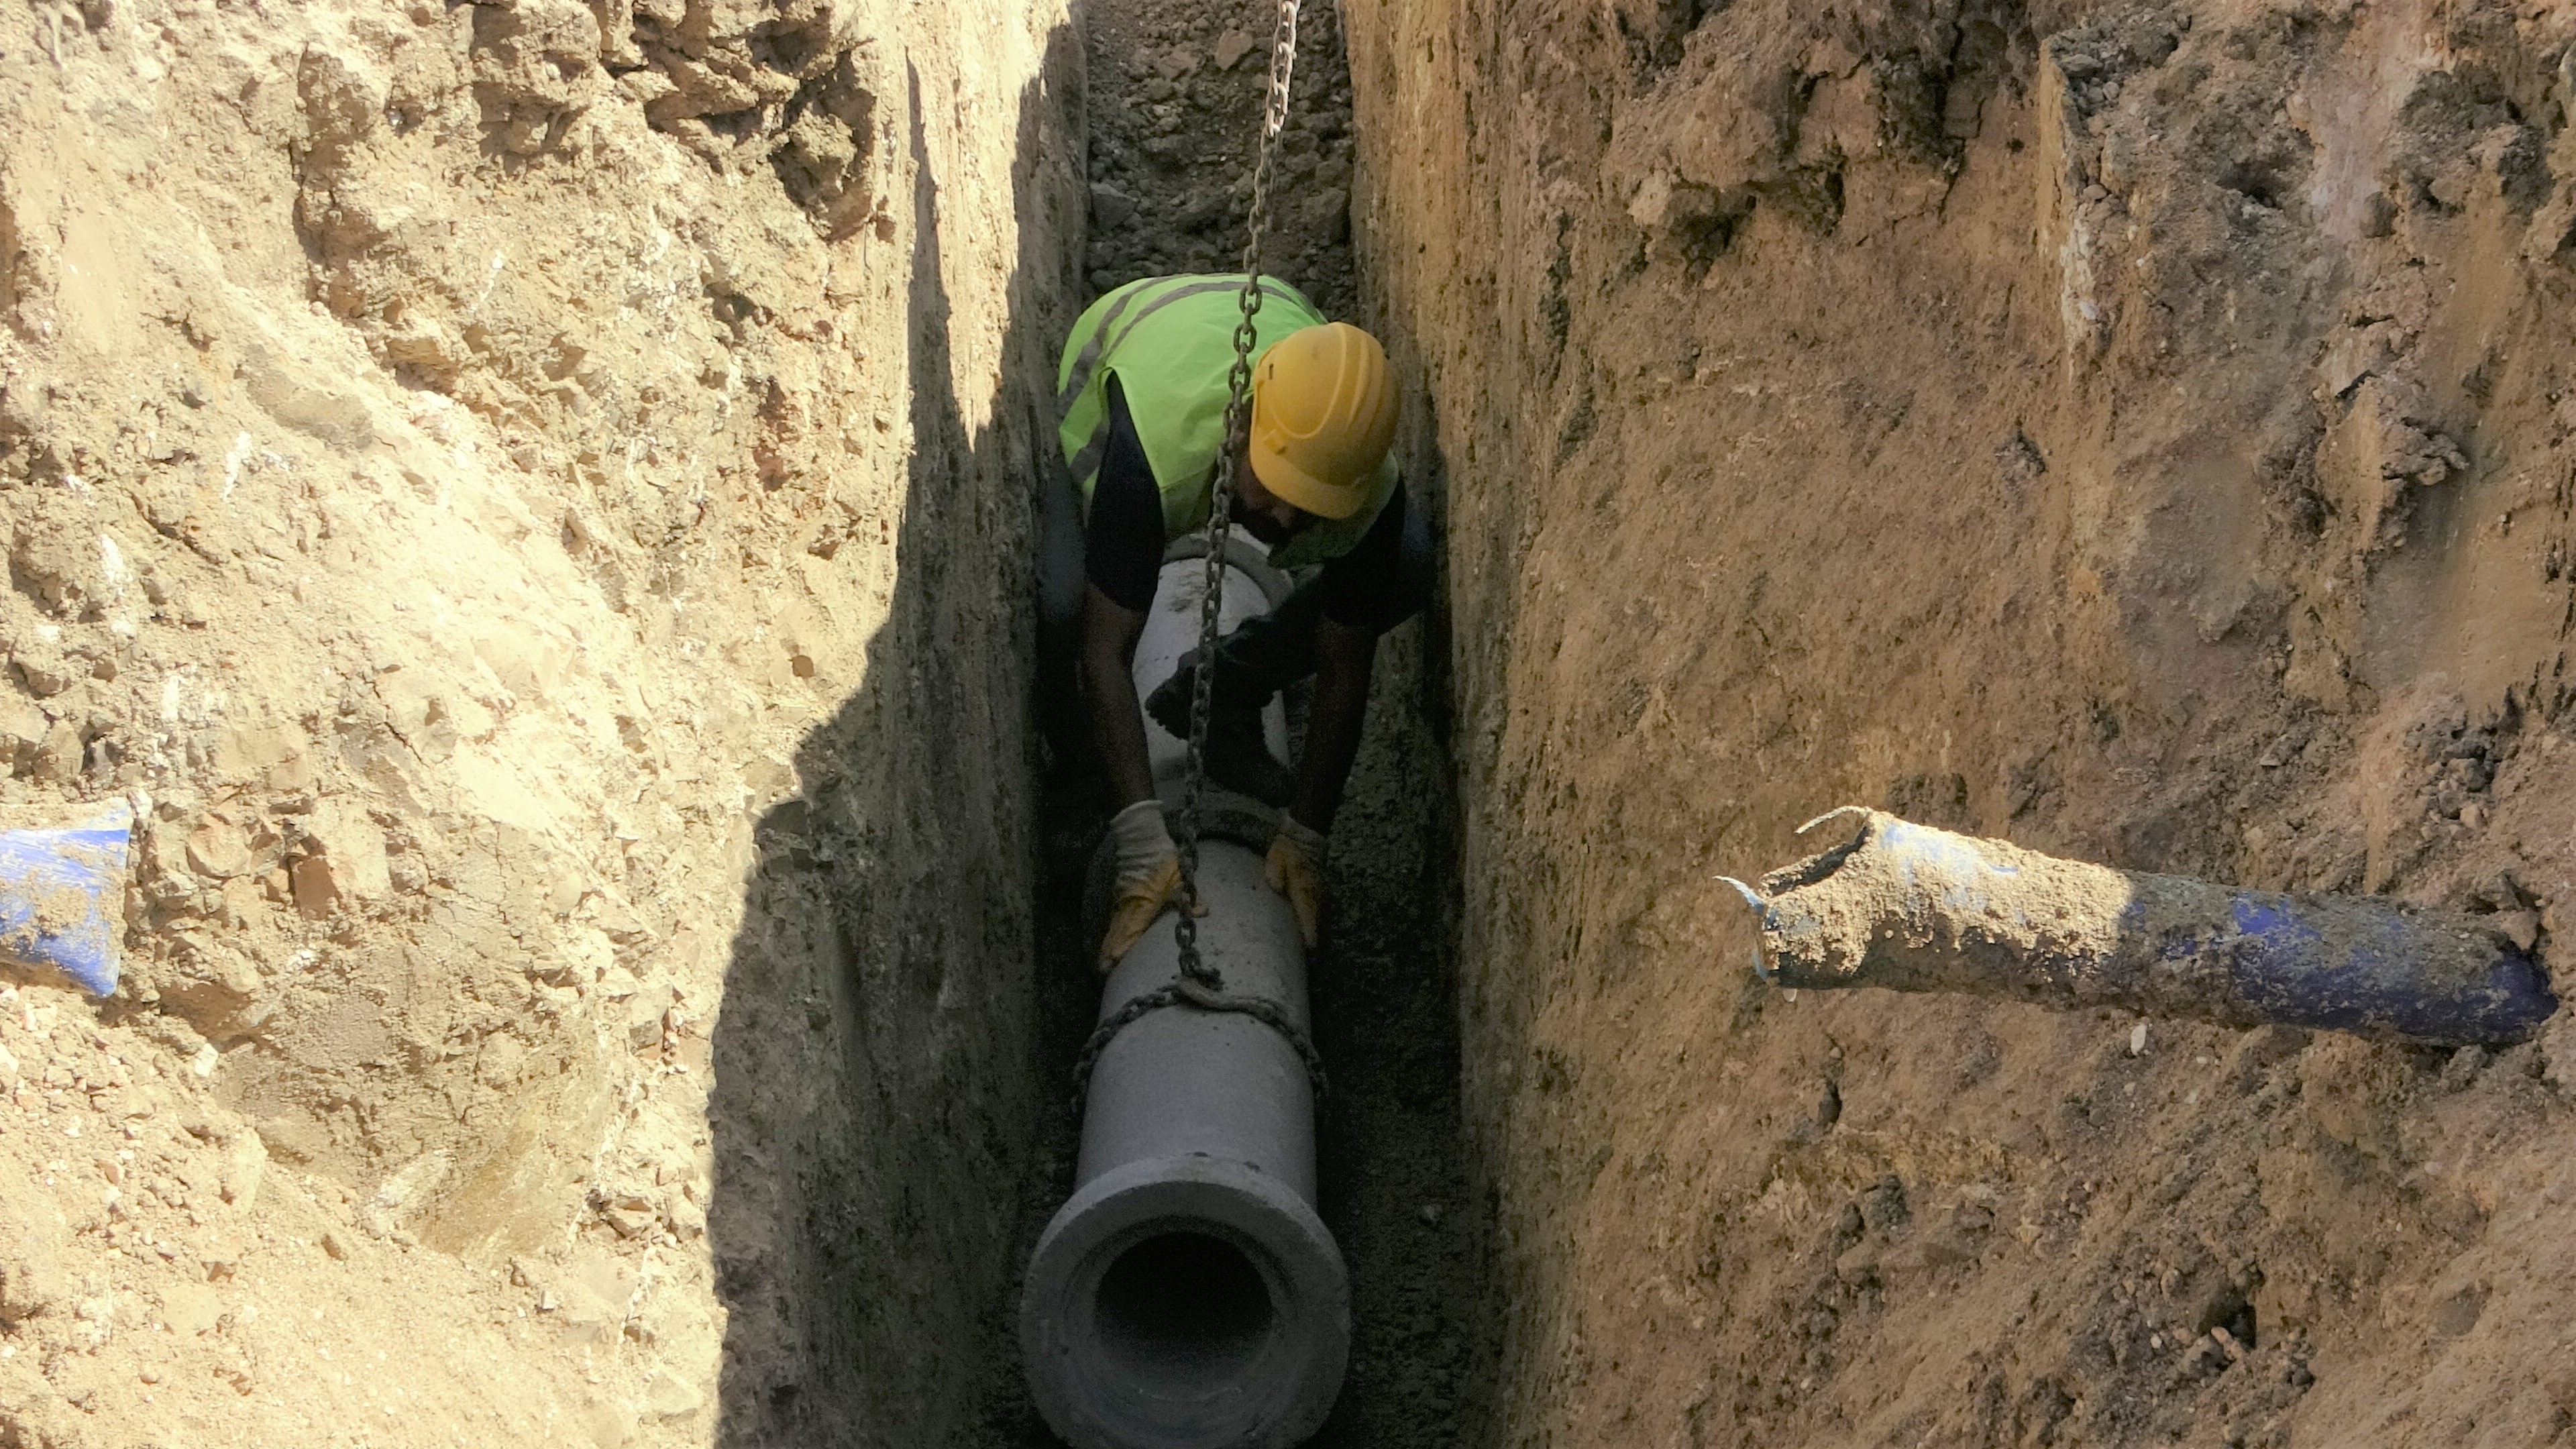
(1182, 1315)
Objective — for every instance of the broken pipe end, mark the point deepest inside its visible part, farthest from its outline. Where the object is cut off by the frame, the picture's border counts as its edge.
(1912, 908)
(1762, 909)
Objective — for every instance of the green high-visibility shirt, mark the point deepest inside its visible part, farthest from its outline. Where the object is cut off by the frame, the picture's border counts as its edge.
(1170, 343)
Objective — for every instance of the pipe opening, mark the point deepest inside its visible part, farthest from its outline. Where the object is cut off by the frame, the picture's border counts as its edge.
(1183, 1315)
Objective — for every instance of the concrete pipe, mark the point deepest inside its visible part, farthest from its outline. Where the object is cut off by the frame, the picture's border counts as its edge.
(1188, 1296)
(1911, 908)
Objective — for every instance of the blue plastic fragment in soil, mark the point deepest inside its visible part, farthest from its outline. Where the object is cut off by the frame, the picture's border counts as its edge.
(62, 895)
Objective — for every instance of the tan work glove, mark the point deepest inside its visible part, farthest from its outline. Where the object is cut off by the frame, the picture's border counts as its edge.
(1149, 876)
(1295, 869)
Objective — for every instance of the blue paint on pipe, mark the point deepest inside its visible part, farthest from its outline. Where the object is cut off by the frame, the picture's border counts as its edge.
(2279, 959)
(1944, 912)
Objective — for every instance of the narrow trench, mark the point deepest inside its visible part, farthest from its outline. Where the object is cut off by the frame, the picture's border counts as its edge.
(1173, 103)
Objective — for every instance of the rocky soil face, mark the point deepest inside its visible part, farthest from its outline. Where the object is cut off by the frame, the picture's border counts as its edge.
(530, 502)
(2137, 431)
(1177, 97)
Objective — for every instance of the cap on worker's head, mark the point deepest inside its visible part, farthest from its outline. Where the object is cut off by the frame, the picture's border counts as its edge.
(1323, 416)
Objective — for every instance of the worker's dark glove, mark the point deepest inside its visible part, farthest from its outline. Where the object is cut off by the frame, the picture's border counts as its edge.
(1238, 746)
(1149, 876)
(1295, 869)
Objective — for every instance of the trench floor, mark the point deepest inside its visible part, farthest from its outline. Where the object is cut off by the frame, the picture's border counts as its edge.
(1392, 1164)
(1172, 107)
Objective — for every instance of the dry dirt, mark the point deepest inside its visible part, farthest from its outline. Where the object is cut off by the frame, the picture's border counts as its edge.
(1175, 107)
(2137, 432)
(531, 501)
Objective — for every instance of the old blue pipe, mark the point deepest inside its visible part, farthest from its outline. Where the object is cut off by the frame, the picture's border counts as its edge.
(1911, 908)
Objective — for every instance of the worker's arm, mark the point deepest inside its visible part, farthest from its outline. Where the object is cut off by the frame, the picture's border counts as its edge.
(1344, 656)
(1122, 554)
(1365, 592)
(1109, 634)
(1148, 865)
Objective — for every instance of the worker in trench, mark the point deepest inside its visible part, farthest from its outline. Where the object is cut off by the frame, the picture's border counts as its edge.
(1142, 392)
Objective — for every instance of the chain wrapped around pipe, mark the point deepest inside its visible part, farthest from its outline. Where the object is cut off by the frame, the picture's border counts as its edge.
(1201, 985)
(1186, 992)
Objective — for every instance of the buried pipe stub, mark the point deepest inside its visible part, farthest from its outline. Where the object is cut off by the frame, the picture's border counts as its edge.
(1185, 1303)
(1912, 908)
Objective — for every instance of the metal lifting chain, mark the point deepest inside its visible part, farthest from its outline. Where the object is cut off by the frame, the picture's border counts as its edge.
(1238, 400)
(1202, 985)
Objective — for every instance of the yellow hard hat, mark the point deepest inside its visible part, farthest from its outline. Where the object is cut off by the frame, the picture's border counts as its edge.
(1323, 416)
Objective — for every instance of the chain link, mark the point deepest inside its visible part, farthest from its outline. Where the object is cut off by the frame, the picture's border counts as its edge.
(1283, 62)
(1202, 985)
(1186, 992)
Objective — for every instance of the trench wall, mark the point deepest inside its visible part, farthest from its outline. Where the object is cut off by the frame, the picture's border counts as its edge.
(532, 501)
(2139, 432)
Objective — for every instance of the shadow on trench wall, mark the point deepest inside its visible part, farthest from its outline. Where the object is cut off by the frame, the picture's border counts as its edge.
(875, 1089)
(1398, 1191)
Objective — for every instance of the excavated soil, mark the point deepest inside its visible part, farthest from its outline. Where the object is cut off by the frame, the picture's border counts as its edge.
(530, 502)
(1177, 93)
(2139, 432)
(533, 505)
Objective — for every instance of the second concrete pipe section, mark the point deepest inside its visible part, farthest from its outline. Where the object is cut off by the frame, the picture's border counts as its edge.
(1187, 1296)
